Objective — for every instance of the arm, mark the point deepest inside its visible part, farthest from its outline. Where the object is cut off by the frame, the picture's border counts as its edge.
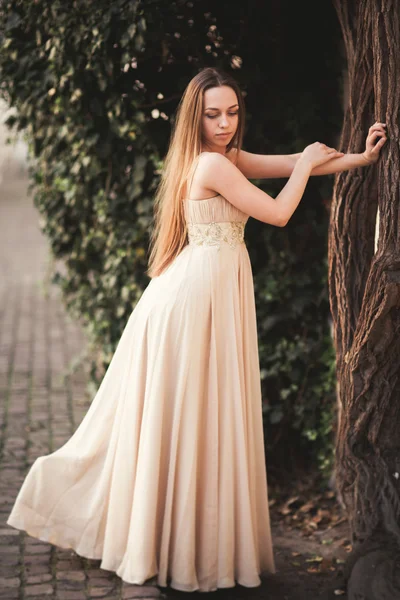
(265, 166)
(342, 163)
(375, 140)
(218, 173)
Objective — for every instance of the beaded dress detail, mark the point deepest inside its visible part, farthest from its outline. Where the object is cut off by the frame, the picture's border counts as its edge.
(164, 480)
(213, 234)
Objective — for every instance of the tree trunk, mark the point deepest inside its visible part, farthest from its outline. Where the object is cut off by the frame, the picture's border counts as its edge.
(364, 289)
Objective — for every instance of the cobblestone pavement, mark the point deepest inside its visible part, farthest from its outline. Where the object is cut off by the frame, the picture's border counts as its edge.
(41, 406)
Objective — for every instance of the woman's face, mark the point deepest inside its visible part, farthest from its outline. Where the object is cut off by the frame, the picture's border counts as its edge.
(220, 117)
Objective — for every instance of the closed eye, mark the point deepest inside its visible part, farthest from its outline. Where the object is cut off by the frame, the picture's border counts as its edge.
(215, 116)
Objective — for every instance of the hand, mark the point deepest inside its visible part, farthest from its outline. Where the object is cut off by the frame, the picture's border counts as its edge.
(317, 154)
(372, 146)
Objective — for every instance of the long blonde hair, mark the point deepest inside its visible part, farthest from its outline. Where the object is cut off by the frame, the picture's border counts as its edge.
(169, 233)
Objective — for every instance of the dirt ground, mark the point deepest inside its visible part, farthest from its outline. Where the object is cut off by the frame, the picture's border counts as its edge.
(309, 558)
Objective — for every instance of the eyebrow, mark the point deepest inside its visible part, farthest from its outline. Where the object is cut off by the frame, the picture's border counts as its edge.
(211, 108)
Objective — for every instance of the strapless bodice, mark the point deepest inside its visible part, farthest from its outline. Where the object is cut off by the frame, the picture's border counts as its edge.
(212, 210)
(214, 221)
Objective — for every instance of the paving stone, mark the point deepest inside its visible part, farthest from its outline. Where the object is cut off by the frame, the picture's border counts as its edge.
(71, 564)
(100, 575)
(9, 550)
(41, 578)
(141, 591)
(10, 532)
(37, 569)
(9, 582)
(10, 561)
(42, 589)
(36, 559)
(102, 581)
(34, 543)
(39, 549)
(7, 571)
(70, 595)
(10, 594)
(71, 575)
(101, 592)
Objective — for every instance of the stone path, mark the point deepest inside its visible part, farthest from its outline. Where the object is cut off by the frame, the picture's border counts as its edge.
(42, 403)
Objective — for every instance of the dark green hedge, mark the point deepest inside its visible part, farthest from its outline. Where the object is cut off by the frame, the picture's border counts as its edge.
(96, 86)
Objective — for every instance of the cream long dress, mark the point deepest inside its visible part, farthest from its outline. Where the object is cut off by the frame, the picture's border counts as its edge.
(165, 476)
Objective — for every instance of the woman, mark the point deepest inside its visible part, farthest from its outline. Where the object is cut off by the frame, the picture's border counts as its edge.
(165, 476)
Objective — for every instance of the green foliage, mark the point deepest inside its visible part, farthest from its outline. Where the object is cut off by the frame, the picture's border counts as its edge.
(296, 352)
(96, 85)
(93, 173)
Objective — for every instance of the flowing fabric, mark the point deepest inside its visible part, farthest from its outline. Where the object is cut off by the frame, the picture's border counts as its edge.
(165, 476)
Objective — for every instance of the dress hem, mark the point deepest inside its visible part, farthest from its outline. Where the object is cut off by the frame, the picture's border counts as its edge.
(52, 537)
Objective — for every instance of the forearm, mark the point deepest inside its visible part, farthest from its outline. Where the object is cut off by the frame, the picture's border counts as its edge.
(336, 165)
(343, 163)
(289, 197)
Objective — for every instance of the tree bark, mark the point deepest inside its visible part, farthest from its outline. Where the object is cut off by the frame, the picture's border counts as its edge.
(364, 290)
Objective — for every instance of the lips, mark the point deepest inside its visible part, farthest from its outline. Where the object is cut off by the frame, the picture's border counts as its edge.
(224, 134)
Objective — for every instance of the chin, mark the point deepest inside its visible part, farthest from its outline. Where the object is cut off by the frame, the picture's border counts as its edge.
(222, 141)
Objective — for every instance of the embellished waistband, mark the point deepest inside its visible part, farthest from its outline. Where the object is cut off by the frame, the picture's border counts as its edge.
(216, 233)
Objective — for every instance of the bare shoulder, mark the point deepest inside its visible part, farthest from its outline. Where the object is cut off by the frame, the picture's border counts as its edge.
(210, 166)
(216, 172)
(215, 160)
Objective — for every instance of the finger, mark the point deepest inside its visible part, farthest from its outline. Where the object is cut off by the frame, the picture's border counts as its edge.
(378, 123)
(381, 142)
(375, 132)
(336, 154)
(376, 149)
(375, 129)
(378, 126)
(374, 135)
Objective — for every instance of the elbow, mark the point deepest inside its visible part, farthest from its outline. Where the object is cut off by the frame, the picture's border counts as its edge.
(282, 222)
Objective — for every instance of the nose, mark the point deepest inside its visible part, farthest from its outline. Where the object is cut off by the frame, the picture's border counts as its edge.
(223, 122)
